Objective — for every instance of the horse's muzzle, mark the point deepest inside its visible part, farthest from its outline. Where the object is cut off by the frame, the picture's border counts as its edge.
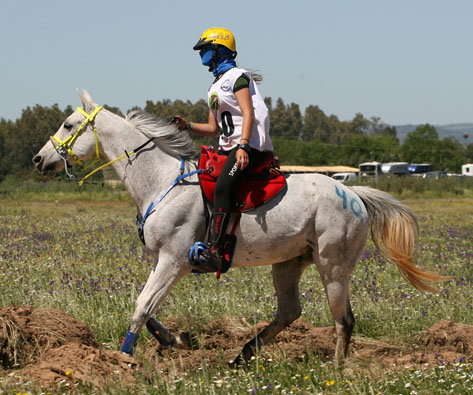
(48, 170)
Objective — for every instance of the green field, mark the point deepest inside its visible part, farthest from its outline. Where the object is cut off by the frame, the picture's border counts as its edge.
(78, 251)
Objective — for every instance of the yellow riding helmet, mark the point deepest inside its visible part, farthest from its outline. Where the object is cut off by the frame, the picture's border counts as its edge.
(216, 35)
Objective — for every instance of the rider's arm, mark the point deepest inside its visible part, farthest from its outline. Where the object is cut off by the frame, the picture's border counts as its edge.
(209, 129)
(246, 106)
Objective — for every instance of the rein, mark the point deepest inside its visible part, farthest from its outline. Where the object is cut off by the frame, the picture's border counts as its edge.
(65, 147)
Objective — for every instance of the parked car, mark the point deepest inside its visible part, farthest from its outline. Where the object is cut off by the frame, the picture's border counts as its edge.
(344, 177)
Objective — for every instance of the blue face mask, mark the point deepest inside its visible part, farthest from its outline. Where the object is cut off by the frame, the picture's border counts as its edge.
(206, 56)
(220, 64)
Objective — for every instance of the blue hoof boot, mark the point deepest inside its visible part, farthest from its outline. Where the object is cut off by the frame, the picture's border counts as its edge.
(129, 343)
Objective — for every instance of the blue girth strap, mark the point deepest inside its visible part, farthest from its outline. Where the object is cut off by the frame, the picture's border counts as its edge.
(140, 221)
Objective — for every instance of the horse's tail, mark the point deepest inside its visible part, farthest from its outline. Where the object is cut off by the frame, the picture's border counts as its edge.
(394, 231)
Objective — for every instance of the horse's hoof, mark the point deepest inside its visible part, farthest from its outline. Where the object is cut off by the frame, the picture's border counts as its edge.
(187, 341)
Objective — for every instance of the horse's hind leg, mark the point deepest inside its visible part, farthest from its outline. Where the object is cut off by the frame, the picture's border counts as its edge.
(335, 263)
(286, 277)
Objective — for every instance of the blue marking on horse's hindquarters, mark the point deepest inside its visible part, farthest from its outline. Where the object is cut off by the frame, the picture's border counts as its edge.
(355, 205)
(129, 343)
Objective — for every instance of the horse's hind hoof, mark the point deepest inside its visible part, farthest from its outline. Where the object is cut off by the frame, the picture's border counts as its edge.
(187, 341)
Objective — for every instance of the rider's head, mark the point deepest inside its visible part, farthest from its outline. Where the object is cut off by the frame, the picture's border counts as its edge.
(216, 46)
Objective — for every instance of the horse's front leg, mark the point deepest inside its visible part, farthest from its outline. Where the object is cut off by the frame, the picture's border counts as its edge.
(162, 279)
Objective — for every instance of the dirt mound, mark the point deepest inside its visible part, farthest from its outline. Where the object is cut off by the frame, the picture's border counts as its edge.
(26, 333)
(449, 336)
(53, 348)
(76, 363)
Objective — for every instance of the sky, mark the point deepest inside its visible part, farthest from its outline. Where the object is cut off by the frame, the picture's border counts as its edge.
(404, 61)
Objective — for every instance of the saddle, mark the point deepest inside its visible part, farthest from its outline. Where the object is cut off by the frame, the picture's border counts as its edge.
(263, 183)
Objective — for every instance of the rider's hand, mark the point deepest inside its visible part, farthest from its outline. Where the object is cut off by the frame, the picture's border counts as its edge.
(242, 158)
(180, 122)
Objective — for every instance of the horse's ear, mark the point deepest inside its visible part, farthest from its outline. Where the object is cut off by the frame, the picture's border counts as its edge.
(86, 101)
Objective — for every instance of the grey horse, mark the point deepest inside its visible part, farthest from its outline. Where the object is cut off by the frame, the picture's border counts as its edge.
(316, 221)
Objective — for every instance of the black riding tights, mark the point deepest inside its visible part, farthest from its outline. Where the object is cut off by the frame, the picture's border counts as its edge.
(230, 178)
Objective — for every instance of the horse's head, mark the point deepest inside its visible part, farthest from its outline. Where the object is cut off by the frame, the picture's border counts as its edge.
(75, 140)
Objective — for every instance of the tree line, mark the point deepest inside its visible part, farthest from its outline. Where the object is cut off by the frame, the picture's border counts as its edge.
(310, 138)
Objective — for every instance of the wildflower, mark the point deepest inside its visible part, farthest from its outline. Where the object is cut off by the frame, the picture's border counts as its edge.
(306, 377)
(68, 372)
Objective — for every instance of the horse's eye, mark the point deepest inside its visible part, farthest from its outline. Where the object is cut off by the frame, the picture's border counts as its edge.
(68, 126)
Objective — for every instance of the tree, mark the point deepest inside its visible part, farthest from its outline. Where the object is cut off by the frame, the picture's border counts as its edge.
(363, 148)
(281, 122)
(448, 155)
(358, 124)
(316, 125)
(356, 150)
(419, 145)
(469, 154)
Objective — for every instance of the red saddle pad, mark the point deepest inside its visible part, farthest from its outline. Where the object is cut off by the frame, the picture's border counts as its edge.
(258, 188)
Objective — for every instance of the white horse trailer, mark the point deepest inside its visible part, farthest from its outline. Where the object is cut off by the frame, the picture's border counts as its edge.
(467, 170)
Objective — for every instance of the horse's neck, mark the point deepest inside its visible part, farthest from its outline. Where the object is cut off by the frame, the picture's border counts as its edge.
(144, 174)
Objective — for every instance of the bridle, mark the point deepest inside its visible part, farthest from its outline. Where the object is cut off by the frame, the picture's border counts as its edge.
(64, 148)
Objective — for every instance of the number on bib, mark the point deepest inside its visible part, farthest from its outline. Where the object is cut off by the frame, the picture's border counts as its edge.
(227, 124)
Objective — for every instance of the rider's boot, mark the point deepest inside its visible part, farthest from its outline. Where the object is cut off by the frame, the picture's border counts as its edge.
(208, 256)
(215, 237)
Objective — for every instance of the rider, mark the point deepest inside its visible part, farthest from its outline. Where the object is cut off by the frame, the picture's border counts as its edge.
(239, 114)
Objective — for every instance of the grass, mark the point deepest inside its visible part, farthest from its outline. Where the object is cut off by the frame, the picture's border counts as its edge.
(82, 255)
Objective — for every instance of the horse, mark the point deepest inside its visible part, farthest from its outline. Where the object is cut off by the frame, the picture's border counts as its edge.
(317, 220)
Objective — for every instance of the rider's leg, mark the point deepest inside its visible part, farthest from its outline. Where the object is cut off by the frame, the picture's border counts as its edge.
(225, 199)
(224, 204)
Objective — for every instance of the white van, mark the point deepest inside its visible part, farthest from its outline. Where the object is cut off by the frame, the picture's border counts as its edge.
(344, 177)
(396, 168)
(467, 170)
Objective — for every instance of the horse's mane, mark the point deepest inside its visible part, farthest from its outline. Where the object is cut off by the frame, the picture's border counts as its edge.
(169, 138)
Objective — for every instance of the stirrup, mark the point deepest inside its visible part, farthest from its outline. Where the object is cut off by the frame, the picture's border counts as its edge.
(201, 257)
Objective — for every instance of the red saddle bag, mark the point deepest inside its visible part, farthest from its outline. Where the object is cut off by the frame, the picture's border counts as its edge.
(263, 183)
